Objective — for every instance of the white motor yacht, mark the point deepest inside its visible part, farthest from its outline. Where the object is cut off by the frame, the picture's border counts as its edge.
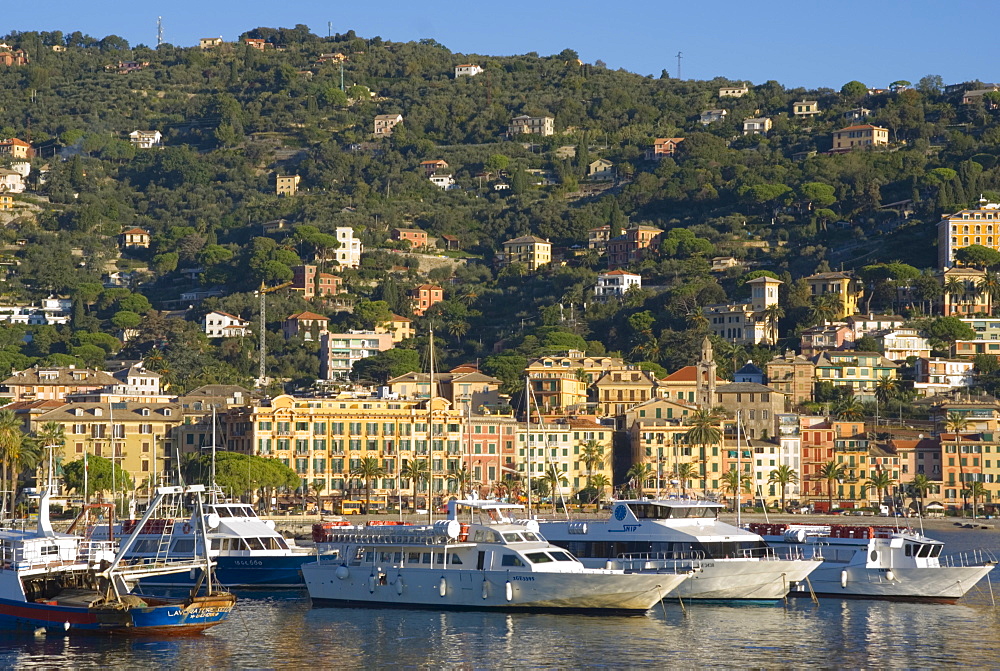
(878, 562)
(492, 563)
(728, 563)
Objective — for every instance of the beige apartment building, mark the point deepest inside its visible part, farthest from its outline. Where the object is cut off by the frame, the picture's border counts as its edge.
(531, 251)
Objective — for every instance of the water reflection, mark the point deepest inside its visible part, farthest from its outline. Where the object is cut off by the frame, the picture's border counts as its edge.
(281, 629)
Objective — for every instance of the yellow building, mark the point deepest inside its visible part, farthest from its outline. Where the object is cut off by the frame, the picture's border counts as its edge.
(287, 185)
(975, 226)
(324, 439)
(842, 284)
(961, 296)
(859, 137)
(530, 251)
(141, 440)
(561, 383)
(656, 431)
(560, 446)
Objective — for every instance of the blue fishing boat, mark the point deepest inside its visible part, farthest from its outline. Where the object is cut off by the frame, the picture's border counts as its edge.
(59, 582)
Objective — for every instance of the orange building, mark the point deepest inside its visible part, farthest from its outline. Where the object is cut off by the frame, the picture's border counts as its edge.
(425, 296)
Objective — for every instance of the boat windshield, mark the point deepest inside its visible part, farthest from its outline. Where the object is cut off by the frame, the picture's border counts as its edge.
(546, 557)
(521, 537)
(659, 511)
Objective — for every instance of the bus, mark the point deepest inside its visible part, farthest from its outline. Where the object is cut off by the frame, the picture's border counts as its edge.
(348, 507)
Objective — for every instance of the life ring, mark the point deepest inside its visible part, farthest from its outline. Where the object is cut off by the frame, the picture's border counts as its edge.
(187, 527)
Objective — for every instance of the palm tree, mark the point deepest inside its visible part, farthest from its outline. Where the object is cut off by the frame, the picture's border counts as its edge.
(368, 469)
(639, 474)
(881, 481)
(831, 471)
(685, 472)
(462, 479)
(955, 423)
(772, 313)
(824, 309)
(11, 440)
(415, 471)
(704, 430)
(599, 482)
(954, 288)
(553, 480)
(458, 328)
(990, 286)
(885, 389)
(52, 435)
(920, 485)
(732, 481)
(976, 490)
(592, 456)
(783, 476)
(850, 410)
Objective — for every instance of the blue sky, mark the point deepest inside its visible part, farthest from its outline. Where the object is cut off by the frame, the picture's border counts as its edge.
(797, 44)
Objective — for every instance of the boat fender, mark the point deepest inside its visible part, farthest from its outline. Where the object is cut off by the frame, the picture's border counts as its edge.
(66, 626)
(399, 586)
(443, 586)
(194, 573)
(609, 565)
(843, 578)
(342, 572)
(889, 575)
(187, 527)
(509, 591)
(371, 584)
(486, 589)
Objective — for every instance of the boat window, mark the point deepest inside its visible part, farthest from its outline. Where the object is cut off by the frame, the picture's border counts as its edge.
(925, 551)
(538, 558)
(561, 556)
(223, 511)
(936, 550)
(255, 544)
(397, 557)
(511, 538)
(413, 557)
(511, 560)
(426, 558)
(183, 546)
(908, 550)
(455, 559)
(49, 550)
(146, 545)
(528, 536)
(215, 543)
(282, 545)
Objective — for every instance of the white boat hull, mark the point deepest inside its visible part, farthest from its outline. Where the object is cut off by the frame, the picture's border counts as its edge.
(731, 579)
(489, 590)
(943, 583)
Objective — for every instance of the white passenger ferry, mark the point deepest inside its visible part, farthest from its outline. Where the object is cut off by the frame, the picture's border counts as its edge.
(496, 563)
(729, 563)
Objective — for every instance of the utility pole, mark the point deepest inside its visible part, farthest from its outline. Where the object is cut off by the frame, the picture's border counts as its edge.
(679, 56)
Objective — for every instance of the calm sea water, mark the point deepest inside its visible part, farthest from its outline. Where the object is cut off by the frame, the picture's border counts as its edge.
(283, 630)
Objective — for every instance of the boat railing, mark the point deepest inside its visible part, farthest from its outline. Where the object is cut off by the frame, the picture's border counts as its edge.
(94, 550)
(672, 562)
(384, 539)
(968, 558)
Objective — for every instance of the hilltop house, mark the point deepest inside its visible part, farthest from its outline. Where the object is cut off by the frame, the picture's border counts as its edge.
(531, 125)
(145, 139)
(384, 123)
(307, 324)
(711, 116)
(467, 70)
(219, 324)
(663, 147)
(859, 137)
(15, 148)
(531, 251)
(805, 108)
(415, 236)
(756, 126)
(287, 185)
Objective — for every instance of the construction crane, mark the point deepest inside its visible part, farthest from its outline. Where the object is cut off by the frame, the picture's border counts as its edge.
(263, 292)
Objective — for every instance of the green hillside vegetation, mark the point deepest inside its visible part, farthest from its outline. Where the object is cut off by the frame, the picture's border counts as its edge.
(233, 117)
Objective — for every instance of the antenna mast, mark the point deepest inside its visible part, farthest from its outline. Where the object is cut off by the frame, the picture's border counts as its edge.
(679, 56)
(159, 30)
(263, 337)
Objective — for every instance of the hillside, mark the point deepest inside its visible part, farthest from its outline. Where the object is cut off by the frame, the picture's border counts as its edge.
(234, 117)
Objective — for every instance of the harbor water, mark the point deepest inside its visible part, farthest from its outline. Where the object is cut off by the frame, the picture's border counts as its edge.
(281, 629)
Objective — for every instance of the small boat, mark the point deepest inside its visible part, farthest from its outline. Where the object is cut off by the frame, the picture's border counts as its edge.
(64, 583)
(248, 551)
(497, 563)
(878, 562)
(728, 563)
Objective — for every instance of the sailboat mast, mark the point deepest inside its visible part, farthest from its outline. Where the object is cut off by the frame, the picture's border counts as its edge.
(739, 473)
(213, 450)
(430, 433)
(527, 435)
